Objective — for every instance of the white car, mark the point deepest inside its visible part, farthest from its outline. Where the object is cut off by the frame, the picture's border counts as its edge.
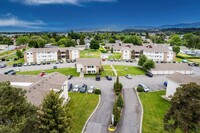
(91, 89)
(128, 76)
(38, 63)
(146, 89)
(25, 64)
(17, 70)
(76, 88)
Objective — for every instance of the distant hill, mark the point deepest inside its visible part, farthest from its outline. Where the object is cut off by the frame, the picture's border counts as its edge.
(182, 25)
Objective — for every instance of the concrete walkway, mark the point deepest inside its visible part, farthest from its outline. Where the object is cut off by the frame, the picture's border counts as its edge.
(130, 119)
(114, 70)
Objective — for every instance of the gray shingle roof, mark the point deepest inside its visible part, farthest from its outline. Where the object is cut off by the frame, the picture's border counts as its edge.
(183, 79)
(49, 49)
(89, 61)
(172, 67)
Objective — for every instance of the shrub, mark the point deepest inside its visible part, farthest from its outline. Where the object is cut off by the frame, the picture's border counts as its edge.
(116, 113)
(118, 87)
(140, 89)
(97, 91)
(120, 102)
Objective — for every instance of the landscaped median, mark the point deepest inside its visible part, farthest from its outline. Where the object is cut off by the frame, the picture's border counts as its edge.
(118, 106)
(65, 71)
(132, 70)
(155, 107)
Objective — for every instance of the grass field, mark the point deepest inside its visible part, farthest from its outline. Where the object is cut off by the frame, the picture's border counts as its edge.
(65, 71)
(81, 106)
(6, 53)
(90, 53)
(107, 71)
(178, 59)
(154, 109)
(132, 70)
(10, 63)
(195, 60)
(115, 55)
(184, 55)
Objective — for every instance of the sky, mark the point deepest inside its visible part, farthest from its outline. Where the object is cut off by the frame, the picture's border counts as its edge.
(63, 15)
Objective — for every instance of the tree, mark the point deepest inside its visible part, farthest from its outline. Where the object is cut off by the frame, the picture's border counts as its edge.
(184, 112)
(136, 40)
(175, 40)
(19, 54)
(94, 44)
(37, 42)
(82, 42)
(16, 114)
(148, 65)
(66, 42)
(142, 60)
(22, 40)
(111, 40)
(111, 50)
(189, 38)
(118, 86)
(53, 117)
(176, 49)
(147, 36)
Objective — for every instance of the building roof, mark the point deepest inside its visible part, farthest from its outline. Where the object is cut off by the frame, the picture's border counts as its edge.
(183, 79)
(172, 67)
(40, 86)
(49, 49)
(89, 61)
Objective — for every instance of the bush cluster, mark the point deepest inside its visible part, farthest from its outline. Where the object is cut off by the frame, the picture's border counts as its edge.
(119, 103)
(140, 89)
(97, 91)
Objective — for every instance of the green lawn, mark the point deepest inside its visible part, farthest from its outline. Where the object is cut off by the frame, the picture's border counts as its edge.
(154, 109)
(178, 59)
(65, 71)
(115, 55)
(10, 63)
(195, 60)
(107, 71)
(184, 55)
(132, 70)
(90, 53)
(81, 106)
(6, 53)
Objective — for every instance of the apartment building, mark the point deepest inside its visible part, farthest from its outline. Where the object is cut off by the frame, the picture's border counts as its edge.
(88, 65)
(155, 52)
(51, 54)
(3, 47)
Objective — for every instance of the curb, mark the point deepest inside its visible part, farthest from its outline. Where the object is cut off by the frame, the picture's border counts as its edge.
(84, 127)
(141, 118)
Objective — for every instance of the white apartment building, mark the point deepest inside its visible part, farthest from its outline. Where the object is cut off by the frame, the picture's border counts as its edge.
(50, 54)
(3, 47)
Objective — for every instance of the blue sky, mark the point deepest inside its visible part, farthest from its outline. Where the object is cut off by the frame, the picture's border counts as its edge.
(56, 15)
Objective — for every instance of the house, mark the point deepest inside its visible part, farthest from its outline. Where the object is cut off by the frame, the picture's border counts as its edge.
(3, 47)
(177, 79)
(38, 87)
(158, 53)
(88, 65)
(170, 68)
(183, 49)
(51, 54)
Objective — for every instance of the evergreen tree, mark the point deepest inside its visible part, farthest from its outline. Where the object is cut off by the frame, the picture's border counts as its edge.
(82, 42)
(142, 60)
(53, 117)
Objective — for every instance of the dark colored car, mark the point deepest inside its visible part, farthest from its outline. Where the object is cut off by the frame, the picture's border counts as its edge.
(196, 64)
(83, 89)
(149, 74)
(14, 65)
(48, 63)
(54, 67)
(10, 72)
(61, 61)
(70, 86)
(70, 76)
(33, 63)
(2, 65)
(19, 64)
(43, 63)
(68, 61)
(108, 77)
(165, 84)
(98, 77)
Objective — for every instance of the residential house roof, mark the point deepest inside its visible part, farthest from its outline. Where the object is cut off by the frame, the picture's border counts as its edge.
(89, 61)
(172, 67)
(49, 49)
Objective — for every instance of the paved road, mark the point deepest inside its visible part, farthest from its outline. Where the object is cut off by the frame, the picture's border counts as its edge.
(130, 119)
(100, 120)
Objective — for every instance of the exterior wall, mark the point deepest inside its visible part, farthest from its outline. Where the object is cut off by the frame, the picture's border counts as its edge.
(170, 56)
(171, 88)
(29, 56)
(75, 54)
(3, 47)
(25, 57)
(167, 72)
(79, 67)
(126, 54)
(155, 56)
(46, 56)
(87, 69)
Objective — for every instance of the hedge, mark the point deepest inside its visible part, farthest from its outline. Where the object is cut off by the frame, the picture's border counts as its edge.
(97, 91)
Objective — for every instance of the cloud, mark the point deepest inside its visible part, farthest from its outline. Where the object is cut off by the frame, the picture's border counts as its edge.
(74, 2)
(8, 20)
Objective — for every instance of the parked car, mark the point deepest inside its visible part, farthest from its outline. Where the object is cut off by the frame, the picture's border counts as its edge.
(57, 62)
(19, 64)
(145, 88)
(127, 60)
(98, 77)
(8, 72)
(185, 61)
(38, 63)
(43, 63)
(70, 76)
(149, 74)
(111, 59)
(115, 59)
(76, 88)
(42, 74)
(196, 64)
(83, 89)
(15, 65)
(33, 63)
(25, 64)
(48, 63)
(119, 60)
(61, 61)
(70, 86)
(108, 77)
(103, 59)
(165, 84)
(2, 65)
(29, 64)
(128, 76)
(68, 61)
(18, 70)
(91, 90)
